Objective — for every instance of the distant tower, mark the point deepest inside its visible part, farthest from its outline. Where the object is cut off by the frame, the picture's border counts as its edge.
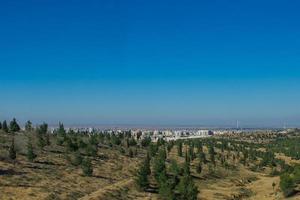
(284, 125)
(237, 124)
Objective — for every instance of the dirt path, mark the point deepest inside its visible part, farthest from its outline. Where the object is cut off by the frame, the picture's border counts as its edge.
(101, 193)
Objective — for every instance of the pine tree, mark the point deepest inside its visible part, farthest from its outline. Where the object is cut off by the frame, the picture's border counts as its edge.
(130, 153)
(42, 135)
(4, 126)
(203, 157)
(28, 126)
(187, 157)
(87, 167)
(179, 149)
(147, 164)
(30, 153)
(0, 125)
(61, 130)
(199, 147)
(159, 166)
(12, 151)
(191, 152)
(212, 155)
(199, 168)
(175, 174)
(187, 189)
(186, 168)
(14, 126)
(165, 189)
(210, 169)
(142, 175)
(163, 153)
(91, 150)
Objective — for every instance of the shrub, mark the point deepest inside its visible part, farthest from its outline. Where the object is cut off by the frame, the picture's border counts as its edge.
(287, 184)
(87, 167)
(76, 159)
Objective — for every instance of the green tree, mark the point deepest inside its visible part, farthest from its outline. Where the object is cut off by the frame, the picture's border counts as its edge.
(30, 153)
(142, 174)
(42, 135)
(0, 125)
(147, 164)
(202, 157)
(12, 151)
(87, 167)
(28, 126)
(14, 126)
(287, 184)
(159, 166)
(187, 189)
(191, 152)
(199, 167)
(199, 146)
(47, 135)
(153, 148)
(91, 150)
(186, 168)
(4, 126)
(71, 143)
(165, 189)
(146, 141)
(174, 174)
(179, 149)
(61, 134)
(212, 154)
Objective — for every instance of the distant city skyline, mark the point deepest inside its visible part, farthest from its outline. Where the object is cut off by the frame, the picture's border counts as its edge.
(151, 62)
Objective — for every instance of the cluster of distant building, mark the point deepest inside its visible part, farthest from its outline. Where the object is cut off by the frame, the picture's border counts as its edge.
(170, 135)
(167, 134)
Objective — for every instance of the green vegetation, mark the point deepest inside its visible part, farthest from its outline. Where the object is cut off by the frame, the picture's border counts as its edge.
(14, 126)
(28, 126)
(30, 153)
(4, 126)
(143, 173)
(12, 150)
(175, 170)
(289, 181)
(87, 167)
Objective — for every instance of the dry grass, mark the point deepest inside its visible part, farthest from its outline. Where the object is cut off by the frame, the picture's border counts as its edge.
(51, 176)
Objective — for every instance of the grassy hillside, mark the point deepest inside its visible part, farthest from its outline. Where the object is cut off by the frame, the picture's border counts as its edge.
(231, 168)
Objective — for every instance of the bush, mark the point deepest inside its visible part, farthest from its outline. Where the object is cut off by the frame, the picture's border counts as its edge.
(287, 184)
(76, 159)
(91, 150)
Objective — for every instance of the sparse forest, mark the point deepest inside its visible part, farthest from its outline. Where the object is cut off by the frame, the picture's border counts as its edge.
(38, 163)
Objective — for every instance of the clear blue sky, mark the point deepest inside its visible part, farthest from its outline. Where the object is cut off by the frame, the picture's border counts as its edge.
(150, 62)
